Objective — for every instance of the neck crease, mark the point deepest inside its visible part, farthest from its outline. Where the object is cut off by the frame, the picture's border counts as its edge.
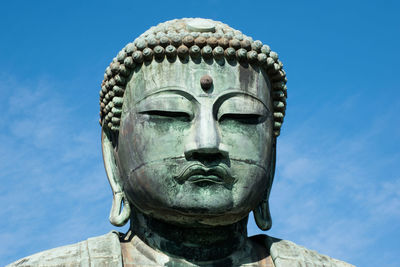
(192, 243)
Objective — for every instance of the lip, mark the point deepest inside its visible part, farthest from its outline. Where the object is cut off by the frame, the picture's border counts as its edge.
(198, 173)
(198, 178)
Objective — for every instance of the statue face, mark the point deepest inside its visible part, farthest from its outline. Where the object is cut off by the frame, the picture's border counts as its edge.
(191, 155)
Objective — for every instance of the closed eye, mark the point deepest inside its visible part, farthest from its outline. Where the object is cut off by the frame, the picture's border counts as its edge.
(167, 114)
(243, 118)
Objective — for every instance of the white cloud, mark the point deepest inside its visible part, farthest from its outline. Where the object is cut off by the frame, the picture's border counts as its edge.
(54, 189)
(336, 193)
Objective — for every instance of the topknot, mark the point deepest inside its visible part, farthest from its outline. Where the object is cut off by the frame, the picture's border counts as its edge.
(189, 37)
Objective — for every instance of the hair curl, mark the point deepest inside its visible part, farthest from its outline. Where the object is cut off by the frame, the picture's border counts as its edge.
(179, 38)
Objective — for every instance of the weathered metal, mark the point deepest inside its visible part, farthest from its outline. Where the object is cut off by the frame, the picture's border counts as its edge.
(190, 114)
(191, 38)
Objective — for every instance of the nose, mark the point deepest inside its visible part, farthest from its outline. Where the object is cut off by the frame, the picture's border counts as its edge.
(205, 140)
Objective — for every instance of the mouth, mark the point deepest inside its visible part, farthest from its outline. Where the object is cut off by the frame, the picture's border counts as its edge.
(199, 174)
(204, 179)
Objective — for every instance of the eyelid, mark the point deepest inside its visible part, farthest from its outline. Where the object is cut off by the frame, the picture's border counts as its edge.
(242, 105)
(166, 103)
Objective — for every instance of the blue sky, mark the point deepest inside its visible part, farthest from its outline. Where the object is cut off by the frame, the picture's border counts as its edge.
(337, 185)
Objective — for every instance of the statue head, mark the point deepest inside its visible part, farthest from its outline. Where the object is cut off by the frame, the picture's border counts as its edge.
(190, 112)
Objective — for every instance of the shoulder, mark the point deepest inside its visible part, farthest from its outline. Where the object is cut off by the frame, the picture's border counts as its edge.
(285, 253)
(102, 250)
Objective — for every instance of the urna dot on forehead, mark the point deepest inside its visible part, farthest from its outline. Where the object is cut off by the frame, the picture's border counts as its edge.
(189, 39)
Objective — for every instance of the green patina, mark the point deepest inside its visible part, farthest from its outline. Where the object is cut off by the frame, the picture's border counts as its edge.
(190, 113)
(195, 158)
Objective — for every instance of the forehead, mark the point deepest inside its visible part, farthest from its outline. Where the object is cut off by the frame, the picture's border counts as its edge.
(158, 75)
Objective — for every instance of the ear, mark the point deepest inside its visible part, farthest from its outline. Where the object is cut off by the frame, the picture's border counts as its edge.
(261, 213)
(119, 214)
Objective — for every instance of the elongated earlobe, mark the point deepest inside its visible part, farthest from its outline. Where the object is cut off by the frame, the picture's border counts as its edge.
(120, 209)
(117, 217)
(262, 215)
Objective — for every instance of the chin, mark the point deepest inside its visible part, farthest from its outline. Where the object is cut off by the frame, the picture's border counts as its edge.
(194, 209)
(198, 219)
(157, 194)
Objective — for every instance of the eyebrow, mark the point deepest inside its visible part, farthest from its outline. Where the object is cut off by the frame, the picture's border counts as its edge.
(176, 89)
(234, 92)
(222, 97)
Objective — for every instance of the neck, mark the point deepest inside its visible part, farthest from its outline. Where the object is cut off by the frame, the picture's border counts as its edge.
(189, 242)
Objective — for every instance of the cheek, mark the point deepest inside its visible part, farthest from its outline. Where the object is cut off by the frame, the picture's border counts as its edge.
(152, 185)
(246, 141)
(251, 183)
(148, 140)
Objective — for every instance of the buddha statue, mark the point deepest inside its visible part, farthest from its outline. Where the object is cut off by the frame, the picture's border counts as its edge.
(190, 113)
